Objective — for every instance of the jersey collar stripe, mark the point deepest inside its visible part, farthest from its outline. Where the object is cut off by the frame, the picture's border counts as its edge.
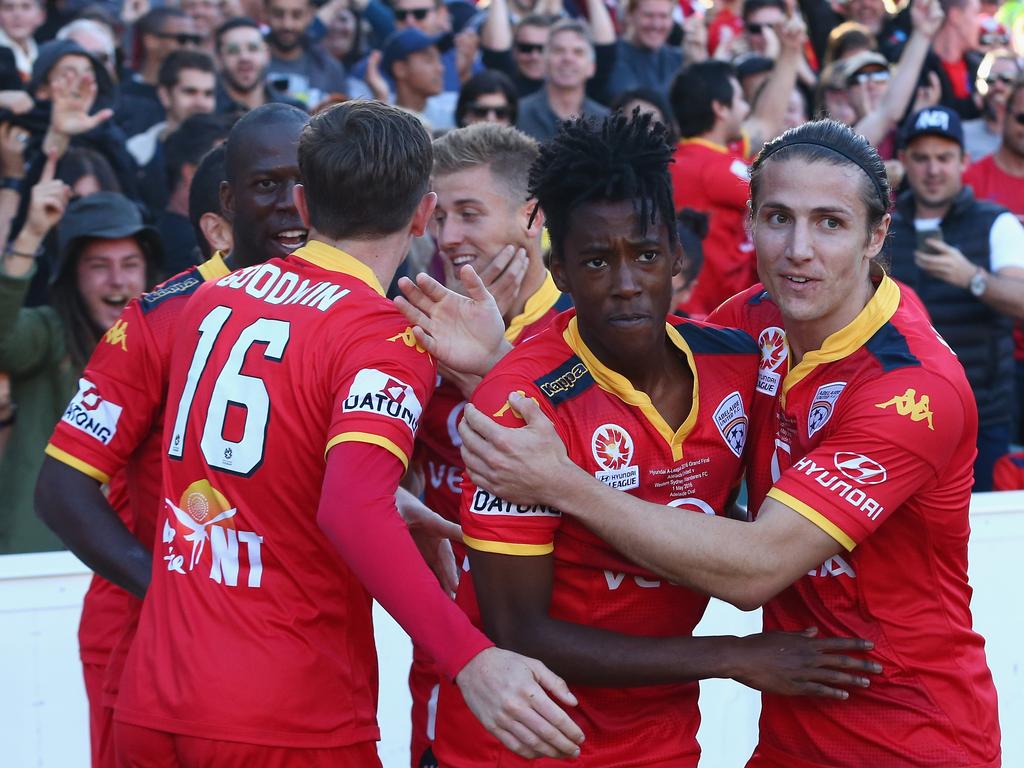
(75, 463)
(215, 268)
(814, 516)
(848, 340)
(336, 260)
(504, 548)
(705, 143)
(367, 437)
(544, 299)
(619, 385)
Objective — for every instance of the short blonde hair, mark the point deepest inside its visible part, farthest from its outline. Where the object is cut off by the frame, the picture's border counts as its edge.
(507, 151)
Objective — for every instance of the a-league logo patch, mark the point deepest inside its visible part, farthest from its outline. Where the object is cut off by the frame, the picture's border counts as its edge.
(774, 352)
(612, 447)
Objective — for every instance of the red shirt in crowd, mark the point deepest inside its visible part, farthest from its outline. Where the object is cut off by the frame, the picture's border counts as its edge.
(990, 182)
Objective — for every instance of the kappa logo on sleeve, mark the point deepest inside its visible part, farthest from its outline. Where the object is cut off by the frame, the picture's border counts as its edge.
(90, 413)
(374, 391)
(731, 420)
(117, 335)
(909, 404)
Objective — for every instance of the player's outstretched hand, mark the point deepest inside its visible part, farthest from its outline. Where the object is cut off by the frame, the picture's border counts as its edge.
(525, 464)
(433, 536)
(801, 664)
(466, 333)
(509, 694)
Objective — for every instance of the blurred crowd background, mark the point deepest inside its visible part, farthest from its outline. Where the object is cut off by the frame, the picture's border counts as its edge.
(111, 113)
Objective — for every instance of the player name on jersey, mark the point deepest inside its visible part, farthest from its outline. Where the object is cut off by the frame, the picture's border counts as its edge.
(269, 283)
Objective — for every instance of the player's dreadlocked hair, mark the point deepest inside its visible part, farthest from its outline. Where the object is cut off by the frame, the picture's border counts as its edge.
(621, 158)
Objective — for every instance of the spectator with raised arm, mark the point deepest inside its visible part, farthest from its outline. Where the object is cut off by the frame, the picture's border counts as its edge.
(997, 73)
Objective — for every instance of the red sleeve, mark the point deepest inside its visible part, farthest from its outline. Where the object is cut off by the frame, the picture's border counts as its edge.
(728, 182)
(489, 522)
(375, 544)
(118, 400)
(894, 438)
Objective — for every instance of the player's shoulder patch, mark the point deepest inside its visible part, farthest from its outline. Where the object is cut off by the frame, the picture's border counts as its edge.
(705, 339)
(182, 284)
(889, 347)
(567, 381)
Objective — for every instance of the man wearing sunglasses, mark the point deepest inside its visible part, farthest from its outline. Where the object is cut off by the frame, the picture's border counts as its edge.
(300, 68)
(431, 18)
(998, 71)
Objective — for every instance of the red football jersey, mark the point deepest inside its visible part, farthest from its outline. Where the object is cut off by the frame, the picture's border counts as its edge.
(990, 182)
(255, 629)
(715, 180)
(613, 431)
(111, 432)
(873, 440)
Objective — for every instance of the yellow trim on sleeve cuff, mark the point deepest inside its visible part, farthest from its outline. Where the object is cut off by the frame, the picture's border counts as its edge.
(814, 516)
(66, 458)
(372, 439)
(504, 548)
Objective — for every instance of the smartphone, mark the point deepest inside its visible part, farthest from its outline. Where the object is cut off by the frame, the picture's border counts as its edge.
(925, 237)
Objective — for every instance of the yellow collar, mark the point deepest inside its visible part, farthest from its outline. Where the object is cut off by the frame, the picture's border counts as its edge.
(542, 300)
(705, 143)
(620, 386)
(336, 260)
(215, 268)
(844, 342)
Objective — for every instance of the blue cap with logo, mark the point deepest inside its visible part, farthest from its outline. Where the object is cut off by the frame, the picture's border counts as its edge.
(410, 40)
(934, 121)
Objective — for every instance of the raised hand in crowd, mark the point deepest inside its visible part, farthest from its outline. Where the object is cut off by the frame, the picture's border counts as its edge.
(373, 77)
(13, 139)
(49, 198)
(133, 10)
(73, 94)
(929, 94)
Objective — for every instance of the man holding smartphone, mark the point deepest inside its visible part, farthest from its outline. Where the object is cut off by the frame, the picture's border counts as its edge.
(965, 258)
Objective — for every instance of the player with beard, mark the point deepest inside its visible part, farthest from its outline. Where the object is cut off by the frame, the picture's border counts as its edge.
(129, 374)
(242, 60)
(860, 479)
(482, 219)
(657, 410)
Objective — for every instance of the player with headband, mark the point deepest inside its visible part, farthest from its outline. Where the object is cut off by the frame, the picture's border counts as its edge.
(863, 443)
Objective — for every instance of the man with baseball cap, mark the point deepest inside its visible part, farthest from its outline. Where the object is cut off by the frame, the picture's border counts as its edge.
(965, 259)
(412, 59)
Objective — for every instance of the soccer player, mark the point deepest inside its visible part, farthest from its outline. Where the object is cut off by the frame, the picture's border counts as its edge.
(255, 644)
(860, 483)
(543, 584)
(111, 430)
(483, 212)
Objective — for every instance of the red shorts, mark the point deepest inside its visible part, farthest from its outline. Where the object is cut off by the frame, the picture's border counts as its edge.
(139, 747)
(101, 717)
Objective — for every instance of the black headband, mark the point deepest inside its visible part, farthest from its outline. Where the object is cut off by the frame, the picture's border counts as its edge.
(882, 196)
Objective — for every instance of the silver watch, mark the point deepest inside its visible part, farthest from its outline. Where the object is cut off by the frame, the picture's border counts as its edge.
(978, 284)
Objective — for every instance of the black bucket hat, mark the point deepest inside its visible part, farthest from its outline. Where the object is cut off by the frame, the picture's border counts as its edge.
(107, 215)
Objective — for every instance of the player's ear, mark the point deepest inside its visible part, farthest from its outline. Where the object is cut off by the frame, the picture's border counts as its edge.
(424, 212)
(678, 258)
(528, 209)
(557, 268)
(302, 205)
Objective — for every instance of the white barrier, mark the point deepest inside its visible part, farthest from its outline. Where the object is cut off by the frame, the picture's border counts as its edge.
(42, 700)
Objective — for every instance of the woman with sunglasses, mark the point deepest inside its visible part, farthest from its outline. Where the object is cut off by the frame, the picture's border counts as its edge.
(487, 97)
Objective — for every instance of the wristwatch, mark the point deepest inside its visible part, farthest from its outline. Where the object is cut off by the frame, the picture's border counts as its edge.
(978, 284)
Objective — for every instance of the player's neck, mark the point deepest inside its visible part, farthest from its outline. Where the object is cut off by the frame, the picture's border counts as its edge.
(532, 281)
(381, 254)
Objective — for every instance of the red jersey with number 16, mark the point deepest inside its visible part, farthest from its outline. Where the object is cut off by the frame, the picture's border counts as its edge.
(873, 441)
(613, 431)
(255, 630)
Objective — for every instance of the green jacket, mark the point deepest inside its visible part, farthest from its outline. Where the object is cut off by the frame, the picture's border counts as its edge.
(33, 352)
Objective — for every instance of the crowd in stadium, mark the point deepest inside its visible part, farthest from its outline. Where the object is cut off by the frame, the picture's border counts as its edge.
(148, 150)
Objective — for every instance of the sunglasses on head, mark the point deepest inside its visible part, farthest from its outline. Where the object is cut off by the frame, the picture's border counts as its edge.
(483, 111)
(181, 38)
(528, 48)
(1004, 79)
(417, 13)
(863, 78)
